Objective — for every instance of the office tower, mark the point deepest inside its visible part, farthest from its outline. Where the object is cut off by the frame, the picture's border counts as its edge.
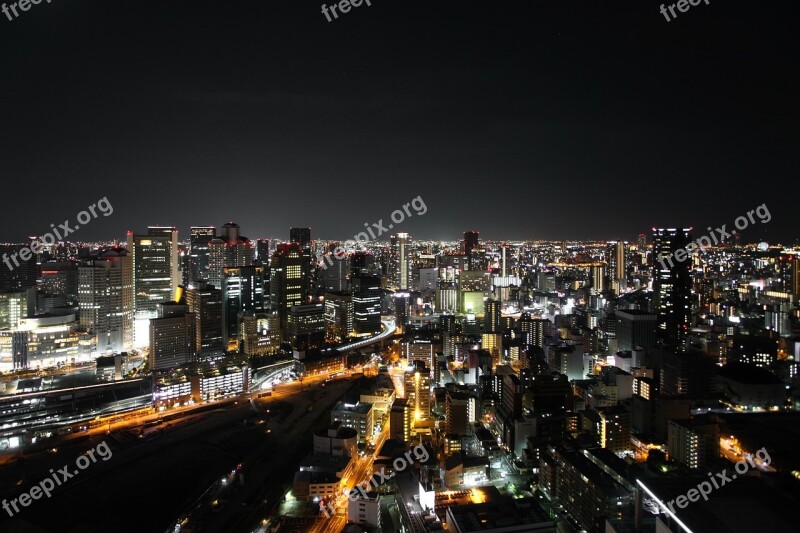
(338, 316)
(59, 279)
(636, 328)
(456, 412)
(615, 429)
(672, 286)
(361, 263)
(366, 290)
(305, 326)
(18, 268)
(302, 237)
(470, 249)
(288, 287)
(242, 291)
(199, 251)
(205, 302)
(598, 277)
(491, 316)
(155, 268)
(262, 252)
(334, 277)
(229, 250)
(446, 298)
(172, 337)
(105, 300)
(417, 386)
(259, 333)
(13, 308)
(400, 266)
(400, 419)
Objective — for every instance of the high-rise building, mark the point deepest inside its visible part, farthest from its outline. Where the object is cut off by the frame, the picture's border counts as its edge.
(361, 262)
(229, 250)
(617, 266)
(18, 270)
(456, 412)
(598, 277)
(288, 286)
(400, 420)
(491, 316)
(672, 286)
(417, 386)
(305, 326)
(155, 268)
(302, 237)
(400, 265)
(14, 308)
(615, 429)
(204, 301)
(366, 304)
(470, 249)
(636, 328)
(199, 242)
(534, 331)
(338, 316)
(105, 300)
(334, 277)
(172, 337)
(263, 252)
(242, 291)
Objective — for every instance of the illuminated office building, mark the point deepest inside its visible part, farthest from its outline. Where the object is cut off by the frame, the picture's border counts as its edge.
(471, 245)
(242, 291)
(172, 337)
(288, 286)
(338, 316)
(229, 250)
(259, 333)
(106, 301)
(204, 301)
(417, 386)
(199, 242)
(154, 260)
(671, 286)
(366, 304)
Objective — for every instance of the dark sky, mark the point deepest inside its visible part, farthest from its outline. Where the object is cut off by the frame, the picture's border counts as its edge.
(545, 119)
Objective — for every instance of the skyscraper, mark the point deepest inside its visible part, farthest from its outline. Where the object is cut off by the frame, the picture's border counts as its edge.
(288, 286)
(671, 286)
(228, 250)
(471, 243)
(204, 301)
(617, 266)
(242, 291)
(199, 242)
(399, 258)
(491, 316)
(105, 300)
(366, 304)
(154, 263)
(172, 337)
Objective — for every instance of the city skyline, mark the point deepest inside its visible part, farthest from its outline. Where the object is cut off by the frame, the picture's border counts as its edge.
(570, 123)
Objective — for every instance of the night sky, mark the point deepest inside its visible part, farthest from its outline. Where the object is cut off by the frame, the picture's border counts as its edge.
(557, 119)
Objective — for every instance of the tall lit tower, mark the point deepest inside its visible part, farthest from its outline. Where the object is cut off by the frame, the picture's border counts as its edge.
(229, 250)
(672, 286)
(288, 286)
(400, 248)
(199, 241)
(471, 243)
(154, 263)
